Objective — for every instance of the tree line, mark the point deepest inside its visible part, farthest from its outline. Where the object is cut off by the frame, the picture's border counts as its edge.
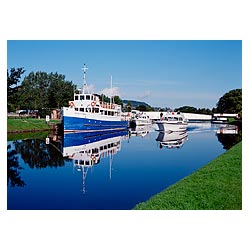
(38, 90)
(45, 91)
(41, 91)
(231, 102)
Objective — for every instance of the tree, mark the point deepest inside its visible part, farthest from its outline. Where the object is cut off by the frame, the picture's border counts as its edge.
(231, 102)
(60, 91)
(104, 98)
(33, 93)
(128, 107)
(13, 78)
(118, 100)
(187, 109)
(42, 91)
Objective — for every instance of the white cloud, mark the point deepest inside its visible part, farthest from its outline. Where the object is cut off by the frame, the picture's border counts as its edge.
(115, 91)
(90, 88)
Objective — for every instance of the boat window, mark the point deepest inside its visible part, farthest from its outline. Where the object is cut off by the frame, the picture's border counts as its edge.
(87, 97)
(82, 109)
(76, 161)
(105, 112)
(76, 109)
(92, 98)
(76, 97)
(95, 151)
(81, 162)
(81, 97)
(88, 109)
(96, 110)
(86, 163)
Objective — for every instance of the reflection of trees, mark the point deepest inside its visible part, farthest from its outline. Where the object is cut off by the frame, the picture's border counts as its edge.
(37, 154)
(229, 140)
(13, 168)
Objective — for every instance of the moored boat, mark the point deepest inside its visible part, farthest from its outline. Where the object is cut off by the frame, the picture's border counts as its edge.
(172, 121)
(87, 112)
(140, 119)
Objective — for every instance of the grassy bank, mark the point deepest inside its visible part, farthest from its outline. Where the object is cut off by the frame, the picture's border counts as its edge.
(25, 125)
(217, 185)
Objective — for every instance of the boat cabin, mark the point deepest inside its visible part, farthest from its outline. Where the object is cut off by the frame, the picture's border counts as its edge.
(92, 103)
(174, 116)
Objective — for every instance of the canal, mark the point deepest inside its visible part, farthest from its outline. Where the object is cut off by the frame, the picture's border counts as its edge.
(112, 171)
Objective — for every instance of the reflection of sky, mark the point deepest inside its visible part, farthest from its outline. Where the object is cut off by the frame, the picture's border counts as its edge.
(138, 171)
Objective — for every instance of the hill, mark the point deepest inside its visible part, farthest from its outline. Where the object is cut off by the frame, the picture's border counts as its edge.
(135, 103)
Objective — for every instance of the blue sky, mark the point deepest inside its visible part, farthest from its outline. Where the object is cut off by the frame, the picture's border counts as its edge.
(160, 72)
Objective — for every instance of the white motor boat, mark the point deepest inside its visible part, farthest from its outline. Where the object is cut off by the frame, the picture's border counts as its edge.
(172, 121)
(140, 119)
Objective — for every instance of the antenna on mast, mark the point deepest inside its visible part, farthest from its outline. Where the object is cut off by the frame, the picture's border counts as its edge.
(111, 91)
(85, 89)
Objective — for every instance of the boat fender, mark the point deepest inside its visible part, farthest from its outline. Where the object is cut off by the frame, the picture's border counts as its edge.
(71, 104)
(93, 104)
(93, 157)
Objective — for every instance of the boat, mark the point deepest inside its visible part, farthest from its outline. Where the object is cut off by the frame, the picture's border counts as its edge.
(86, 149)
(140, 131)
(172, 139)
(140, 119)
(172, 121)
(87, 112)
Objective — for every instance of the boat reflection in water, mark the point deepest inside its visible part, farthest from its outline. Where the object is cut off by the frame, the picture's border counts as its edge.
(228, 129)
(140, 130)
(172, 139)
(87, 148)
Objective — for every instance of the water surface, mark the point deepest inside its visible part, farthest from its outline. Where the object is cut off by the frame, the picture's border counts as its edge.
(114, 171)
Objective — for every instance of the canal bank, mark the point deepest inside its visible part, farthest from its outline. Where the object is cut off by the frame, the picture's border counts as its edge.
(216, 186)
(30, 125)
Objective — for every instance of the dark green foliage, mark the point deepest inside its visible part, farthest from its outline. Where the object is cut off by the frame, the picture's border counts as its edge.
(128, 107)
(144, 108)
(118, 100)
(231, 102)
(13, 79)
(40, 91)
(190, 109)
(135, 104)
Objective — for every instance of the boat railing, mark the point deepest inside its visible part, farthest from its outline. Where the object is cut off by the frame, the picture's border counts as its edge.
(107, 105)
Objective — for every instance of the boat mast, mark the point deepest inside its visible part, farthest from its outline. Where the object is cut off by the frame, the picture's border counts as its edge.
(85, 89)
(111, 91)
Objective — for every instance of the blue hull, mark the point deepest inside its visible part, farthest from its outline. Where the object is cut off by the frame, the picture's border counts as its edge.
(82, 138)
(73, 124)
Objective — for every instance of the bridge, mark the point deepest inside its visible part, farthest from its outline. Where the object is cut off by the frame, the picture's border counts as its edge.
(153, 115)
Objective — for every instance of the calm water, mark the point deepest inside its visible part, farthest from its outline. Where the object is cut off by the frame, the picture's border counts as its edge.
(114, 171)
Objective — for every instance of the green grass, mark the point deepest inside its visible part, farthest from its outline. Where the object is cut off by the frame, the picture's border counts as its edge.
(216, 186)
(28, 135)
(28, 124)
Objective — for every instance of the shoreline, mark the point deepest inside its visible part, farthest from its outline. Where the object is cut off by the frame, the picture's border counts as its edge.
(215, 186)
(16, 126)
